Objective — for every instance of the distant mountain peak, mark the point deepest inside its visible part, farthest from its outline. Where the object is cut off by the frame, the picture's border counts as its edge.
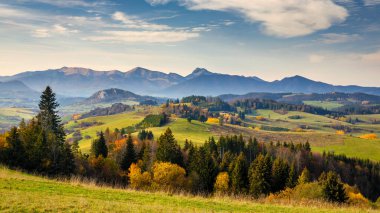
(75, 70)
(199, 72)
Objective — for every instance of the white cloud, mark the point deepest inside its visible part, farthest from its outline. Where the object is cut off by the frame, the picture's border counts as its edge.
(135, 23)
(281, 18)
(144, 36)
(334, 38)
(315, 58)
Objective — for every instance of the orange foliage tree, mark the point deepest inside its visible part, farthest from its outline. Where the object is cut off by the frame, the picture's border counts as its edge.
(139, 179)
(222, 183)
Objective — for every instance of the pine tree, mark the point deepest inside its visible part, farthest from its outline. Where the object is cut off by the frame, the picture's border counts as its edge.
(333, 188)
(99, 146)
(168, 150)
(129, 155)
(239, 173)
(146, 157)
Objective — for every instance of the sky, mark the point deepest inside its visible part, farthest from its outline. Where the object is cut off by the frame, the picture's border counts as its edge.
(334, 41)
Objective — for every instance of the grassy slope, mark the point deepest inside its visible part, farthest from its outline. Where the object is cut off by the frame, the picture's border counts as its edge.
(12, 116)
(329, 105)
(195, 131)
(26, 193)
(111, 122)
(354, 147)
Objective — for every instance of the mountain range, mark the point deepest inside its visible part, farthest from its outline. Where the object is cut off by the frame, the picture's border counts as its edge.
(82, 82)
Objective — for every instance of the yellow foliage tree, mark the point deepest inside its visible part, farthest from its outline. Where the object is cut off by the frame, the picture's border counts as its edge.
(168, 176)
(260, 118)
(369, 136)
(213, 120)
(137, 179)
(340, 132)
(222, 183)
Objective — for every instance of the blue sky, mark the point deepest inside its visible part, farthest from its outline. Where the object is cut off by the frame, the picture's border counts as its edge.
(335, 41)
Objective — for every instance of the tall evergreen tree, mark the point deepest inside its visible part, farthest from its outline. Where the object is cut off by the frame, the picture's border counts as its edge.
(291, 180)
(239, 173)
(333, 189)
(53, 130)
(99, 146)
(129, 155)
(304, 177)
(15, 153)
(260, 176)
(280, 175)
(204, 166)
(48, 115)
(168, 149)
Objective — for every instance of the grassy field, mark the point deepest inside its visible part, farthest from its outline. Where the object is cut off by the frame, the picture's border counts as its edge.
(329, 105)
(26, 193)
(354, 147)
(12, 116)
(111, 122)
(195, 131)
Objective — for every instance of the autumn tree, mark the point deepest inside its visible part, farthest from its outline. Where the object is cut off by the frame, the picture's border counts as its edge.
(304, 177)
(222, 181)
(168, 176)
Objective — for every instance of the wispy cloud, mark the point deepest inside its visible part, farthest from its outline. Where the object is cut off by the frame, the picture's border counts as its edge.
(335, 38)
(136, 23)
(371, 2)
(281, 18)
(143, 36)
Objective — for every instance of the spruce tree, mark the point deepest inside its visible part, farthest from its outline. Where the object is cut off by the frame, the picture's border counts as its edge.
(239, 173)
(15, 152)
(53, 129)
(129, 155)
(168, 150)
(260, 176)
(204, 166)
(48, 115)
(280, 174)
(99, 146)
(291, 180)
(333, 188)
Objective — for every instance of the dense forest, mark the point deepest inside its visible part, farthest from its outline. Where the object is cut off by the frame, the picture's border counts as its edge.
(228, 165)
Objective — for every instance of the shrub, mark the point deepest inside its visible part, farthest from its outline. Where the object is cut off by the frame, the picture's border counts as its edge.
(168, 176)
(368, 136)
(213, 120)
(355, 197)
(222, 183)
(137, 179)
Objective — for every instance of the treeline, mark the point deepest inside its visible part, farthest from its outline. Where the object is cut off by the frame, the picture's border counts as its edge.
(249, 105)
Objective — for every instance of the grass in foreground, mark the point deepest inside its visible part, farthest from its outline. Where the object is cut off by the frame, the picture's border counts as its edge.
(26, 193)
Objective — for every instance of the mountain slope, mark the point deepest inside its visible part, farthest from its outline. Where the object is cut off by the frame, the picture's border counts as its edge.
(115, 95)
(74, 81)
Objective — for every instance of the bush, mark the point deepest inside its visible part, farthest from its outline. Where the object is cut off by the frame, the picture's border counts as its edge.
(368, 136)
(138, 180)
(222, 183)
(168, 176)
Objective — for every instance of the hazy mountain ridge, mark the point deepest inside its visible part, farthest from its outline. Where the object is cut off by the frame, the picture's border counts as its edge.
(76, 81)
(115, 95)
